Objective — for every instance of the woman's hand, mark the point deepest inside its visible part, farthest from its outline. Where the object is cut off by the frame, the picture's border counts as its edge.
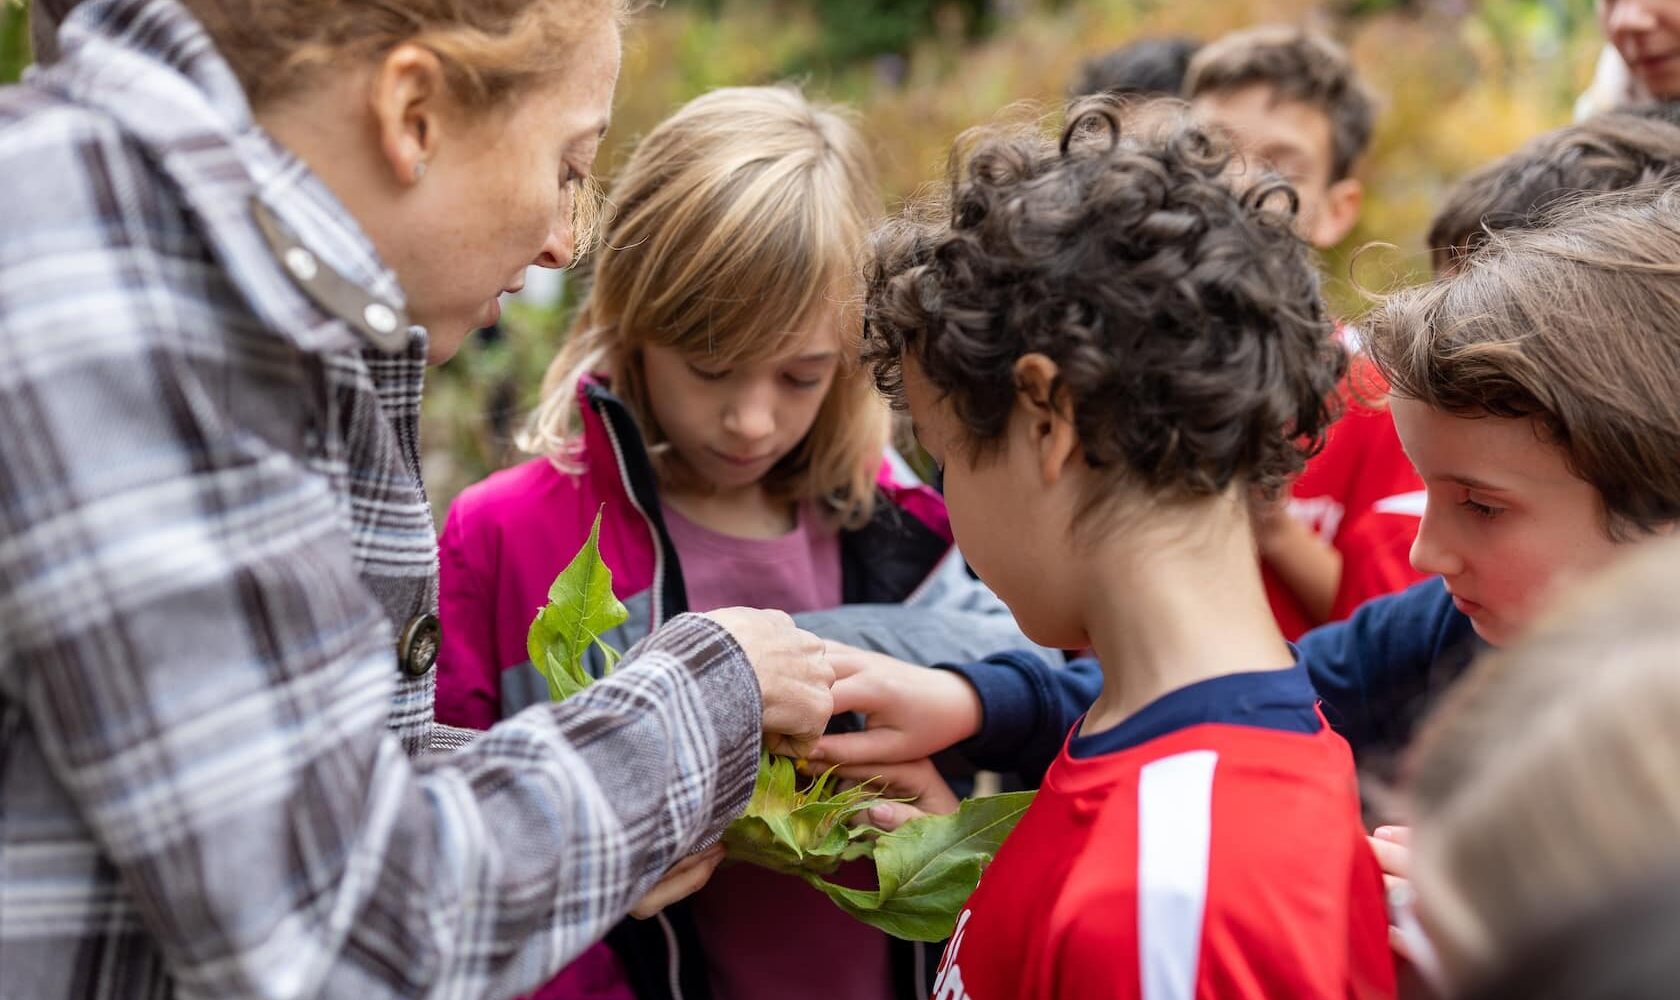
(910, 712)
(794, 676)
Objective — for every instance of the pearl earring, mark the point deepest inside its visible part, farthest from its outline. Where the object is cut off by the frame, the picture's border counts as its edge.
(419, 170)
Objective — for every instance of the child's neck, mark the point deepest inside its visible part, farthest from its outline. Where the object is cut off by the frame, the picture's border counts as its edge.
(1178, 602)
(745, 512)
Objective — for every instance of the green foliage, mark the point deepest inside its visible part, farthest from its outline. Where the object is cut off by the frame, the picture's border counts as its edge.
(1461, 83)
(798, 827)
(927, 868)
(806, 828)
(14, 40)
(581, 608)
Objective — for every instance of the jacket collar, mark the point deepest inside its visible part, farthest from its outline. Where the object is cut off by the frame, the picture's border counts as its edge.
(306, 268)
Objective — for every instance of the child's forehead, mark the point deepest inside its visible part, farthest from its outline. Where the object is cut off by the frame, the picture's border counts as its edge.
(1479, 451)
(1261, 113)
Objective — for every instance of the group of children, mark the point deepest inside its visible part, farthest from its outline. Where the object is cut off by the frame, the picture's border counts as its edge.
(1155, 447)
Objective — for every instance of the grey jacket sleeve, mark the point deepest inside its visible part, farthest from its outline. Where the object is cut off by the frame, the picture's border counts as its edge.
(952, 618)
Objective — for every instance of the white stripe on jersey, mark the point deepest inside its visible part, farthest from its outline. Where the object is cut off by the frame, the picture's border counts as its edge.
(1175, 825)
(1403, 503)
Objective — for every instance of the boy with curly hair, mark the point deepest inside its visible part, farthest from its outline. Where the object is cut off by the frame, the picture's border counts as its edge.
(1108, 349)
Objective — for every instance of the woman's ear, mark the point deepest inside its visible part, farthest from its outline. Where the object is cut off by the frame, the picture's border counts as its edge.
(1048, 413)
(408, 97)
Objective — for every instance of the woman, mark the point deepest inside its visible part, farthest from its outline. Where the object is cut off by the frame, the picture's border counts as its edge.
(236, 232)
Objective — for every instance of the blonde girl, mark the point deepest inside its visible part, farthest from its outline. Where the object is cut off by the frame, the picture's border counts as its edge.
(710, 403)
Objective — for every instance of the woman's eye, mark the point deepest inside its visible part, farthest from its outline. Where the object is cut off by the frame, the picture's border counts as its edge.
(803, 383)
(708, 376)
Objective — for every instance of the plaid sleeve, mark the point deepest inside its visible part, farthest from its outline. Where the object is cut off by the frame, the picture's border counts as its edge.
(204, 676)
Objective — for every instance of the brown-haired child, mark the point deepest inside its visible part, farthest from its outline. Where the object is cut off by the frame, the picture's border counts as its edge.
(1294, 105)
(1612, 151)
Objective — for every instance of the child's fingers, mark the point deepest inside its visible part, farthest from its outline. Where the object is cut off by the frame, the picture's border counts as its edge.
(684, 879)
(890, 816)
(1400, 945)
(1394, 856)
(869, 745)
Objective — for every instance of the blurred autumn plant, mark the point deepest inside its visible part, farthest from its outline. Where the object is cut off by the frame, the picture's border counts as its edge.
(1462, 81)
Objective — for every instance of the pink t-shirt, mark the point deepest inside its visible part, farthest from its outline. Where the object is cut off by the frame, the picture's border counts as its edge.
(757, 926)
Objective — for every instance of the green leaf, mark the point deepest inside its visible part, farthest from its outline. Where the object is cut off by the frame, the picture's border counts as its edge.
(927, 868)
(581, 607)
(800, 831)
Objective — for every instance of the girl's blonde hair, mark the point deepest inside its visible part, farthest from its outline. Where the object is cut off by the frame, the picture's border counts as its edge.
(1551, 777)
(740, 223)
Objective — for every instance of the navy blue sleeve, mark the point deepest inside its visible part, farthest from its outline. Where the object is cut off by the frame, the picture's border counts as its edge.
(1376, 671)
(1027, 708)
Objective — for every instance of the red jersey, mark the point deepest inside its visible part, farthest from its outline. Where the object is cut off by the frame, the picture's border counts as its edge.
(1360, 495)
(1216, 859)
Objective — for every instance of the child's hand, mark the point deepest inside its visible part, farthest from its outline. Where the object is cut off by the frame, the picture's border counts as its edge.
(912, 712)
(685, 878)
(918, 781)
(1393, 847)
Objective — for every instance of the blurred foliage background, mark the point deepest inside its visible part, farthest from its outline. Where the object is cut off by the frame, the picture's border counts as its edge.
(1462, 82)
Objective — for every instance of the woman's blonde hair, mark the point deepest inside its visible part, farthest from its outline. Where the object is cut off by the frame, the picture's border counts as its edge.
(1551, 776)
(739, 223)
(490, 49)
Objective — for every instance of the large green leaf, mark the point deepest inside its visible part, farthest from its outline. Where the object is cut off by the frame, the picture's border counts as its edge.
(927, 868)
(581, 608)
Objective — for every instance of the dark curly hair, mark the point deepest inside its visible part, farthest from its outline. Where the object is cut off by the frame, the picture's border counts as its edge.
(1184, 318)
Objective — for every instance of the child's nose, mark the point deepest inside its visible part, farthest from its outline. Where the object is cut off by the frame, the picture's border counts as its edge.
(750, 417)
(1431, 553)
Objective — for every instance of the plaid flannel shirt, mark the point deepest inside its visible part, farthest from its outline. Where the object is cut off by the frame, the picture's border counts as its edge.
(211, 530)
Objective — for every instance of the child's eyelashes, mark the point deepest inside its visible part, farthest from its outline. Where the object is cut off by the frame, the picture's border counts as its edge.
(1481, 510)
(706, 375)
(793, 381)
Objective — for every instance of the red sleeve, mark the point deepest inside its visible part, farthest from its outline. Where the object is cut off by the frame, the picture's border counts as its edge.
(469, 685)
(1381, 497)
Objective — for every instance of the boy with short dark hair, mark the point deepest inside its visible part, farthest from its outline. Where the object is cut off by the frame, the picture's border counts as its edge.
(1148, 67)
(1108, 349)
(1293, 104)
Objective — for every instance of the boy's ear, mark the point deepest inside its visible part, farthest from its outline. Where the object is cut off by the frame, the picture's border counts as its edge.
(1342, 202)
(407, 97)
(1048, 413)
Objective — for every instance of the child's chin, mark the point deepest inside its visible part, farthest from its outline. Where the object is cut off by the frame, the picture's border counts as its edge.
(1493, 633)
